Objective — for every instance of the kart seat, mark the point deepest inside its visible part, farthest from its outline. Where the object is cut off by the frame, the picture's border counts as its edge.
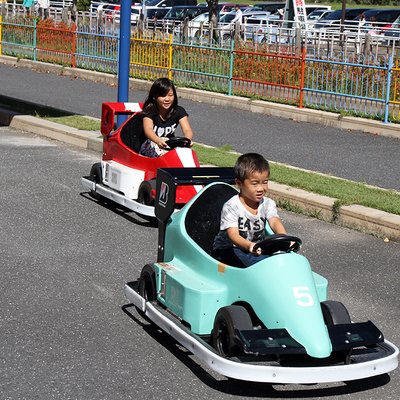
(203, 218)
(132, 134)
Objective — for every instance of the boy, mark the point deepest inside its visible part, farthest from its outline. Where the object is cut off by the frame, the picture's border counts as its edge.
(244, 216)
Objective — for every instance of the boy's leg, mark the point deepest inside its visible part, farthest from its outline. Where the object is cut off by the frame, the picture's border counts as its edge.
(227, 256)
(248, 258)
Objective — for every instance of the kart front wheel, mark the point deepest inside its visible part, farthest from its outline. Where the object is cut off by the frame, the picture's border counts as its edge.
(95, 176)
(223, 335)
(335, 313)
(147, 286)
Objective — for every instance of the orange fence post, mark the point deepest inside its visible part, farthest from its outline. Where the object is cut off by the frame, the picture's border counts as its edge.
(303, 68)
(74, 37)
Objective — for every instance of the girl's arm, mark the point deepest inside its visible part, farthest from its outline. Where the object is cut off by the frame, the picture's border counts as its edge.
(148, 126)
(186, 128)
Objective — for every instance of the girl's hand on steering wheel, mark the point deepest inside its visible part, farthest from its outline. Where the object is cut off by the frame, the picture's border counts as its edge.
(162, 143)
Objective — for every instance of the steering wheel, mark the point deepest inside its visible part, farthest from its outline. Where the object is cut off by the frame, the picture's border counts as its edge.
(274, 243)
(175, 141)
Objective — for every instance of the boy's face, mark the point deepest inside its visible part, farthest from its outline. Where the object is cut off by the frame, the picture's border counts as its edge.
(254, 187)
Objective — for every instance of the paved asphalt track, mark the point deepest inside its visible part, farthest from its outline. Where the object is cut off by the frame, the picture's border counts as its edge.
(64, 259)
(353, 155)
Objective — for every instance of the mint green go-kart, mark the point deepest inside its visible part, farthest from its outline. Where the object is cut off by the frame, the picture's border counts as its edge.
(270, 322)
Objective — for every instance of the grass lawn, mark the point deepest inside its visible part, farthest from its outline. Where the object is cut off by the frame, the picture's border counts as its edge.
(347, 192)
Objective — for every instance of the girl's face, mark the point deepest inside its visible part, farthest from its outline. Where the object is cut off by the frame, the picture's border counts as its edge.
(164, 103)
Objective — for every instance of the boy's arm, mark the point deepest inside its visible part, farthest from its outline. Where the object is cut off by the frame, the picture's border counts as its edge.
(276, 225)
(239, 241)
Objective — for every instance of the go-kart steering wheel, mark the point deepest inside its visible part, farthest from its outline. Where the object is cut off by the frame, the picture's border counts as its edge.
(275, 243)
(175, 141)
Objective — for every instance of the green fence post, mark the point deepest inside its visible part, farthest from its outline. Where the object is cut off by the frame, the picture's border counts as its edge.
(1, 32)
(231, 67)
(34, 39)
(388, 84)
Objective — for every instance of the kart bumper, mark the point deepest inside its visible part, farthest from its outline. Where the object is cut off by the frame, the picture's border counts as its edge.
(363, 364)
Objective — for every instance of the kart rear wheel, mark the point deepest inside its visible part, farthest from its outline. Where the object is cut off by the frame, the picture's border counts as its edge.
(144, 193)
(147, 286)
(223, 335)
(335, 313)
(95, 176)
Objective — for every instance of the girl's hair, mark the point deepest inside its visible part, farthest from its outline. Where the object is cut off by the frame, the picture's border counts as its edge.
(248, 163)
(159, 88)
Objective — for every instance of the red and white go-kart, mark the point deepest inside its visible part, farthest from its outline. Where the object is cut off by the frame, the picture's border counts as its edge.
(126, 177)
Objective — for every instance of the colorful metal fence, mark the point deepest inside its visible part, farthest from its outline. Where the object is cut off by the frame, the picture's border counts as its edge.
(361, 87)
(394, 102)
(346, 87)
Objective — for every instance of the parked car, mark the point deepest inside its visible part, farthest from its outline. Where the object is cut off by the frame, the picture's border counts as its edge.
(261, 29)
(333, 19)
(159, 8)
(270, 7)
(393, 34)
(260, 20)
(314, 7)
(379, 19)
(316, 15)
(180, 13)
(112, 13)
(176, 15)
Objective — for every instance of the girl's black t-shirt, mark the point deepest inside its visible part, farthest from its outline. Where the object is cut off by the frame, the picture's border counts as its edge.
(168, 127)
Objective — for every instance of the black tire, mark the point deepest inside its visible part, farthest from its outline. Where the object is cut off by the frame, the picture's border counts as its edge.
(335, 313)
(223, 335)
(147, 286)
(144, 193)
(95, 176)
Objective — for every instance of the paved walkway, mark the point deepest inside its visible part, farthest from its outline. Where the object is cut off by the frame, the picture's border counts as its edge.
(322, 147)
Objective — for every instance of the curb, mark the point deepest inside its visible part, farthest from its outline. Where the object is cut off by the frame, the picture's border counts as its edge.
(368, 220)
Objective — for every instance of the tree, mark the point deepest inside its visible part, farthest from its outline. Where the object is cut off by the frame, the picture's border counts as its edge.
(213, 16)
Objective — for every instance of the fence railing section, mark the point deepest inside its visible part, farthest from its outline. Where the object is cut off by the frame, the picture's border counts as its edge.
(363, 85)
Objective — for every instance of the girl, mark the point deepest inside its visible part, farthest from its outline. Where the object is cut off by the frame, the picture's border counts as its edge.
(161, 118)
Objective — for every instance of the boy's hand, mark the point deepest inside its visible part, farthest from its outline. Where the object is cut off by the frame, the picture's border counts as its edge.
(256, 252)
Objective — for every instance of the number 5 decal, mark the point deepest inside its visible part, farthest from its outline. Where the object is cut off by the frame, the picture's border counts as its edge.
(303, 296)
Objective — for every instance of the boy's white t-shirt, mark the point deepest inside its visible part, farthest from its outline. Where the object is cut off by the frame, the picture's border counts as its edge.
(251, 227)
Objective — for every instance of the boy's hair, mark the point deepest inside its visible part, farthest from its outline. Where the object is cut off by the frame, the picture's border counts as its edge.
(159, 88)
(248, 163)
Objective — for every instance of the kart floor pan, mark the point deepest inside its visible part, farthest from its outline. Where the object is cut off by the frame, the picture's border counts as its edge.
(365, 362)
(117, 197)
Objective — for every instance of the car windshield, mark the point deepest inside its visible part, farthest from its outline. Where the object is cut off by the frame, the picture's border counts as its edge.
(152, 3)
(228, 17)
(201, 18)
(333, 15)
(174, 13)
(316, 14)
